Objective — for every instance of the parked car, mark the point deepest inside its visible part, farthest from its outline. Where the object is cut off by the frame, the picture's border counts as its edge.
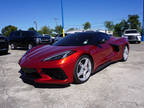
(59, 37)
(72, 59)
(53, 39)
(26, 39)
(49, 38)
(4, 44)
(132, 35)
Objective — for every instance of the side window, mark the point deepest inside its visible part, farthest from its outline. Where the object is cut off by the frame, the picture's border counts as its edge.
(16, 35)
(100, 37)
(97, 37)
(36, 34)
(104, 36)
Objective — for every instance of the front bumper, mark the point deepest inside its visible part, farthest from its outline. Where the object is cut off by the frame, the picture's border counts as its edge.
(51, 72)
(134, 38)
(51, 77)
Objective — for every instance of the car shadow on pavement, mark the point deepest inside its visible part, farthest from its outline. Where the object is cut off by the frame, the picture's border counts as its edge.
(102, 67)
(3, 54)
(19, 48)
(40, 85)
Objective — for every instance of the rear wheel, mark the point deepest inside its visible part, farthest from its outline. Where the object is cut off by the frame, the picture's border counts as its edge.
(13, 47)
(125, 53)
(6, 52)
(83, 69)
(139, 42)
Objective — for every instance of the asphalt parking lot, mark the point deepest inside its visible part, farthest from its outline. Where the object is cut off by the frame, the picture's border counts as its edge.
(120, 85)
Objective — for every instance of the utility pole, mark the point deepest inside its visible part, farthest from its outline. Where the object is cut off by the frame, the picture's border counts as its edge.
(62, 17)
(35, 25)
(143, 23)
(56, 20)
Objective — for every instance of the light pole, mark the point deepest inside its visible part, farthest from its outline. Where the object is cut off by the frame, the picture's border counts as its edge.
(143, 23)
(35, 25)
(62, 17)
(56, 21)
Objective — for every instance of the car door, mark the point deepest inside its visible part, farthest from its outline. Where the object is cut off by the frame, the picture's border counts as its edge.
(103, 50)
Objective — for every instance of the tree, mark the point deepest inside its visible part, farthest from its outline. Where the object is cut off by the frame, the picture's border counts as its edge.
(8, 29)
(124, 25)
(31, 29)
(87, 25)
(134, 22)
(59, 29)
(45, 30)
(109, 25)
(117, 30)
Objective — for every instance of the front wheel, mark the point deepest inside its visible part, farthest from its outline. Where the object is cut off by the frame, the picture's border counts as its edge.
(13, 47)
(125, 53)
(83, 69)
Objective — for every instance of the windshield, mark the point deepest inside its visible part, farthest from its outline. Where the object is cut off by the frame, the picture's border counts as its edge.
(73, 40)
(81, 39)
(131, 31)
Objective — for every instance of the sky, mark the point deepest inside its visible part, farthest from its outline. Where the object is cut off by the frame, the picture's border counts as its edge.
(23, 13)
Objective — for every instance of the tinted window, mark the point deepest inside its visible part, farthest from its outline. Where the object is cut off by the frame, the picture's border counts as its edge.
(14, 35)
(38, 34)
(27, 34)
(74, 40)
(131, 31)
(80, 39)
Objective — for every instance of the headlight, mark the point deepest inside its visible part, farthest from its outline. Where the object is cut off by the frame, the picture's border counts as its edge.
(59, 56)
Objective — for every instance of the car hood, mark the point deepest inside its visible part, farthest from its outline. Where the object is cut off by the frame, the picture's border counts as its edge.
(38, 54)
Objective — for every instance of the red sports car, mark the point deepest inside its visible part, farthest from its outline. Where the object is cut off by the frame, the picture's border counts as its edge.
(72, 59)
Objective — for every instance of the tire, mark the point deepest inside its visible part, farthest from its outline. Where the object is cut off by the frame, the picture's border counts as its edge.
(29, 46)
(13, 47)
(6, 52)
(139, 42)
(81, 72)
(125, 53)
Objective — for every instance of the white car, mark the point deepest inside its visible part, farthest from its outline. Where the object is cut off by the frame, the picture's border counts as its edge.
(132, 35)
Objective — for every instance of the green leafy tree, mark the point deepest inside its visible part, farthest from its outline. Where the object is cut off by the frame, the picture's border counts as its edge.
(59, 29)
(87, 25)
(124, 25)
(31, 29)
(8, 29)
(109, 25)
(117, 30)
(134, 22)
(45, 30)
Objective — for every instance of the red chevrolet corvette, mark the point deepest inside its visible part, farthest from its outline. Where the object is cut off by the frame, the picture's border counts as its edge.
(72, 59)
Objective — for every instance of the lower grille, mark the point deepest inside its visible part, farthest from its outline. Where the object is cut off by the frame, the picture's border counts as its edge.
(31, 73)
(57, 73)
(132, 37)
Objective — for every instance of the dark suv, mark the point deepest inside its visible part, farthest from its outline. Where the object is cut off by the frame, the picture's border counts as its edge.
(27, 39)
(4, 44)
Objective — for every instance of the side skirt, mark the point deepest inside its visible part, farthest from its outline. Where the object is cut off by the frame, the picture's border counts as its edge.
(103, 66)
